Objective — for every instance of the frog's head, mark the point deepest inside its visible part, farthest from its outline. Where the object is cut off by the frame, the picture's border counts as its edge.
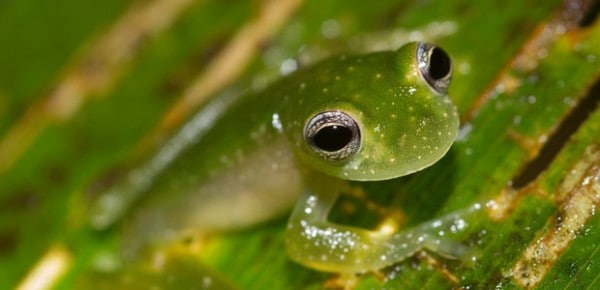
(377, 116)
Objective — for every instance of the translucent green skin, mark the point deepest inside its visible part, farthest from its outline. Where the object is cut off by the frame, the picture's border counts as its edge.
(405, 125)
(244, 160)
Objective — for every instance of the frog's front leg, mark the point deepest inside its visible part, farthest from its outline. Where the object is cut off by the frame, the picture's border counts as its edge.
(313, 241)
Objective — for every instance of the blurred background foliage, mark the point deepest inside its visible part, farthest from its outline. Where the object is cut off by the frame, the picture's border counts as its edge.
(84, 83)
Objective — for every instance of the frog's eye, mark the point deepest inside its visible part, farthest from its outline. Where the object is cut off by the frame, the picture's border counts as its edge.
(435, 66)
(333, 135)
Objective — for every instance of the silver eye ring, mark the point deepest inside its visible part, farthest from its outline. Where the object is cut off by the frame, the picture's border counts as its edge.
(333, 135)
(435, 67)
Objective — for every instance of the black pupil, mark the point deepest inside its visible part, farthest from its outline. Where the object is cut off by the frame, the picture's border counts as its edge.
(439, 64)
(332, 138)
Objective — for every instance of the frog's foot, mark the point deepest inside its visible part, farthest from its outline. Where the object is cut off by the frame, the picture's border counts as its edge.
(432, 235)
(317, 243)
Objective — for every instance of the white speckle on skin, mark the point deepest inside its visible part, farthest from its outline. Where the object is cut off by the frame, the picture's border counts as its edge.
(591, 58)
(491, 204)
(459, 225)
(276, 123)
(464, 68)
(288, 66)
(516, 120)
(207, 282)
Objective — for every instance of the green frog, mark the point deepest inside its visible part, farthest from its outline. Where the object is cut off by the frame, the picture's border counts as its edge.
(245, 159)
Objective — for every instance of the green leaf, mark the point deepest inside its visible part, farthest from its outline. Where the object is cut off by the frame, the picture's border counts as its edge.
(525, 82)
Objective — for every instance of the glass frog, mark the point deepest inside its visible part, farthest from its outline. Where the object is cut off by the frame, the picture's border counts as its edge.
(245, 159)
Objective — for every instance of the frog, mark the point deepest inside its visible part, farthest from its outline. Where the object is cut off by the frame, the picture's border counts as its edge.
(244, 159)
